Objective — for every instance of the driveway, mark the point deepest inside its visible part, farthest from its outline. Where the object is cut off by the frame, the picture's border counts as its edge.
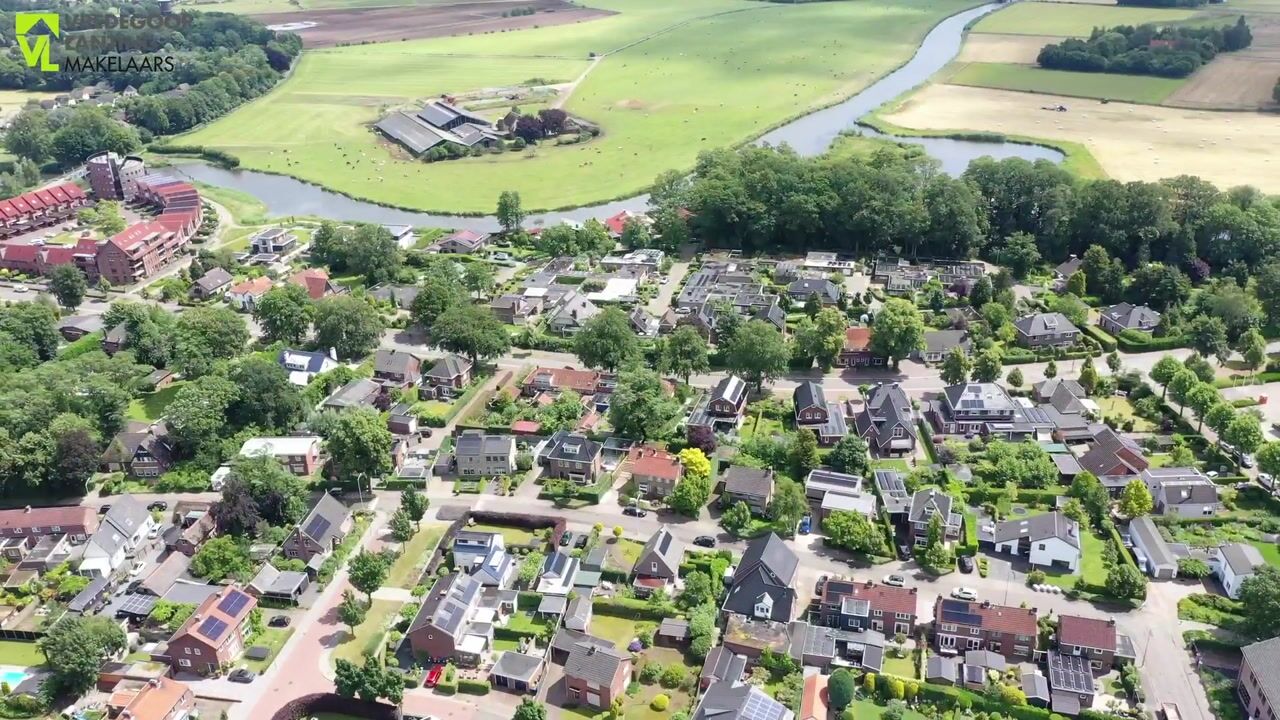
(659, 304)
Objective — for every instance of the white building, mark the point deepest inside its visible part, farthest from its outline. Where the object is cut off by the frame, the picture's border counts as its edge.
(1233, 563)
(1051, 540)
(125, 527)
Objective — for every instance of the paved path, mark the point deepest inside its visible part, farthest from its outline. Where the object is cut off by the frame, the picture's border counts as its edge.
(659, 304)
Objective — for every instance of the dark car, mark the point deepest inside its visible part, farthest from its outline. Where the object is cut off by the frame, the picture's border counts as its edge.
(158, 505)
(566, 539)
(705, 541)
(104, 509)
(242, 675)
(280, 621)
(966, 564)
(904, 552)
(633, 511)
(581, 540)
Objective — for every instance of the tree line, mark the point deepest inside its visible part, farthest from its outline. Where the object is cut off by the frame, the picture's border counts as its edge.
(1146, 49)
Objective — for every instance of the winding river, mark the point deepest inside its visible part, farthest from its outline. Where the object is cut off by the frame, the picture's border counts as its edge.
(808, 135)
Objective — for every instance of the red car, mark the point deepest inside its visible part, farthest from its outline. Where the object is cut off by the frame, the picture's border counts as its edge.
(433, 675)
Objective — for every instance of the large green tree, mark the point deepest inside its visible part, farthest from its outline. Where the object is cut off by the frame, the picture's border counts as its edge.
(471, 330)
(359, 445)
(348, 324)
(74, 649)
(822, 338)
(367, 571)
(854, 531)
(285, 313)
(1260, 596)
(68, 284)
(897, 330)
(640, 407)
(956, 366)
(203, 336)
(683, 353)
(606, 341)
(757, 353)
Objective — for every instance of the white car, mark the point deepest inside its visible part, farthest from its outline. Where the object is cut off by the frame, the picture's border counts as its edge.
(1211, 474)
(19, 288)
(965, 593)
(136, 570)
(895, 580)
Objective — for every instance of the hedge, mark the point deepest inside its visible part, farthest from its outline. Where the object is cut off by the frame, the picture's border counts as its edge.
(1136, 341)
(528, 600)
(628, 608)
(213, 155)
(947, 696)
(1120, 548)
(926, 437)
(473, 687)
(1104, 338)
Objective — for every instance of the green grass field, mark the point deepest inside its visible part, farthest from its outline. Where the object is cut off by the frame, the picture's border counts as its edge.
(414, 555)
(273, 639)
(259, 7)
(148, 407)
(368, 634)
(1026, 78)
(1036, 18)
(714, 78)
(21, 654)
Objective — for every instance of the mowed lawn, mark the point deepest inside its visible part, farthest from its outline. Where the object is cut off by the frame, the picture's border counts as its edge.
(1027, 78)
(369, 633)
(21, 654)
(1038, 18)
(414, 555)
(730, 71)
(149, 407)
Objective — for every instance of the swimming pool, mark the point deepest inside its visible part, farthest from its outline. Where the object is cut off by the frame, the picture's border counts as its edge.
(13, 676)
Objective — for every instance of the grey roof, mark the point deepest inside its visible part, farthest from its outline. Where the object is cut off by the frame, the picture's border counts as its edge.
(809, 394)
(976, 396)
(887, 407)
(1066, 398)
(1143, 532)
(84, 323)
(939, 667)
(396, 361)
(769, 559)
(723, 664)
(1038, 324)
(516, 666)
(579, 611)
(407, 130)
(664, 549)
(127, 514)
(1263, 658)
(447, 605)
(1242, 558)
(730, 389)
(575, 311)
(441, 113)
(729, 701)
(314, 360)
(1065, 703)
(1070, 266)
(1045, 389)
(213, 279)
(357, 393)
(595, 664)
(940, 341)
(573, 447)
(826, 290)
(474, 443)
(1070, 673)
(1132, 317)
(166, 574)
(773, 315)
(402, 295)
(566, 639)
(1039, 527)
(270, 581)
(324, 523)
(1067, 464)
(1035, 686)
(825, 480)
(552, 605)
(985, 659)
(556, 565)
(743, 480)
(189, 593)
(449, 367)
(674, 628)
(1191, 488)
(89, 595)
(931, 501)
(892, 487)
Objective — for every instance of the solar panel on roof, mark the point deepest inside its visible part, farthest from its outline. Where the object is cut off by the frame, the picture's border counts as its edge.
(317, 526)
(233, 603)
(212, 628)
(139, 605)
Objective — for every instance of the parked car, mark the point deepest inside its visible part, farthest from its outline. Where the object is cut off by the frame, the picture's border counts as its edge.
(158, 505)
(895, 580)
(566, 539)
(966, 564)
(806, 524)
(634, 511)
(279, 621)
(136, 570)
(705, 541)
(242, 675)
(965, 593)
(904, 552)
(434, 675)
(1246, 461)
(581, 540)
(19, 288)
(104, 509)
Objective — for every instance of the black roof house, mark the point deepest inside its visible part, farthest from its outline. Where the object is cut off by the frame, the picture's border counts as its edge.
(764, 581)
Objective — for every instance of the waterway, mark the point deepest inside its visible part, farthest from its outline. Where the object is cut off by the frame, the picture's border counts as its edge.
(808, 135)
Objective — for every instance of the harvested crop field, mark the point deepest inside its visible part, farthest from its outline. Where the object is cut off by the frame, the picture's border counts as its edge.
(1241, 80)
(999, 48)
(385, 24)
(1131, 142)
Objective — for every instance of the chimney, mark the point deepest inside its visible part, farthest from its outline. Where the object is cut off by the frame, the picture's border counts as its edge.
(333, 354)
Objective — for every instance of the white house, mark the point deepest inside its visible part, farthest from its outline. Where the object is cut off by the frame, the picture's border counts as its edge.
(496, 569)
(1233, 563)
(558, 573)
(125, 527)
(1051, 540)
(470, 547)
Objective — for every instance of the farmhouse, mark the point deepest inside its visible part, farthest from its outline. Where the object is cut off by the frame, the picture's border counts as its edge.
(437, 123)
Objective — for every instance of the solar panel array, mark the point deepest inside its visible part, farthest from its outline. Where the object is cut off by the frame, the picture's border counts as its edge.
(1069, 672)
(760, 706)
(317, 526)
(233, 603)
(957, 611)
(212, 628)
(139, 605)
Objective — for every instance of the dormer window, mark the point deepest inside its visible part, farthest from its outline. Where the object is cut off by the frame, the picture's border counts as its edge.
(764, 607)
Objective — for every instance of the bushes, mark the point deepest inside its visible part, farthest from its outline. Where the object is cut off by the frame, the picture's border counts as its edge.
(1137, 341)
(1104, 338)
(473, 687)
(631, 608)
(213, 155)
(660, 702)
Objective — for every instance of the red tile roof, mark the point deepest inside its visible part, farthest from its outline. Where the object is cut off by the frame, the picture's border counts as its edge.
(256, 287)
(315, 280)
(212, 609)
(581, 381)
(857, 339)
(16, 252)
(58, 515)
(653, 462)
(885, 598)
(137, 234)
(813, 701)
(1000, 618)
(526, 426)
(616, 223)
(1086, 632)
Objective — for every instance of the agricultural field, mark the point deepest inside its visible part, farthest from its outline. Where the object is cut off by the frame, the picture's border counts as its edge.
(1027, 78)
(677, 78)
(1227, 149)
(993, 48)
(1037, 18)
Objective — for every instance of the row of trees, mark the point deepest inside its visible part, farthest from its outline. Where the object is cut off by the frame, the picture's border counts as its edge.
(894, 200)
(1169, 51)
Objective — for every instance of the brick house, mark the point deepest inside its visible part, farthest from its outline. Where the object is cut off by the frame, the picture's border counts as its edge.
(159, 698)
(857, 349)
(214, 635)
(75, 521)
(320, 531)
(140, 451)
(850, 605)
(299, 455)
(1094, 640)
(1040, 330)
(655, 472)
(573, 457)
(595, 675)
(547, 379)
(753, 486)
(960, 626)
(449, 376)
(397, 368)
